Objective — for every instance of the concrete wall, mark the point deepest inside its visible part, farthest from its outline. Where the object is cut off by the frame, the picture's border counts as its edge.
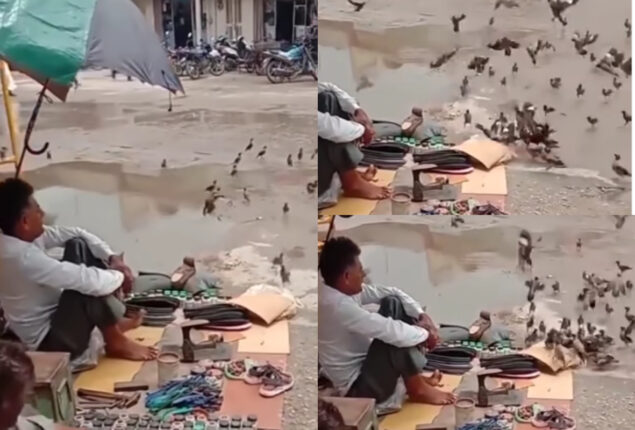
(147, 9)
(217, 18)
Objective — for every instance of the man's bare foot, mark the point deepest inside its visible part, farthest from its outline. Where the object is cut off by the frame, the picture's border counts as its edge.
(130, 350)
(420, 391)
(135, 321)
(370, 173)
(366, 190)
(434, 379)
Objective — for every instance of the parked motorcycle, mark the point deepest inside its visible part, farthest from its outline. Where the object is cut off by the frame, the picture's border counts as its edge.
(289, 65)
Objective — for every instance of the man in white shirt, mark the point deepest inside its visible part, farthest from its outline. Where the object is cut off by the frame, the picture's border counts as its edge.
(54, 305)
(365, 353)
(342, 127)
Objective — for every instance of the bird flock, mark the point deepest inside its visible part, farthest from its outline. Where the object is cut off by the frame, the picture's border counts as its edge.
(589, 341)
(525, 127)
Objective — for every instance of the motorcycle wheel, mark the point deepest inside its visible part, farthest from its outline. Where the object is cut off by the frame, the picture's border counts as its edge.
(178, 69)
(272, 75)
(217, 67)
(260, 68)
(193, 71)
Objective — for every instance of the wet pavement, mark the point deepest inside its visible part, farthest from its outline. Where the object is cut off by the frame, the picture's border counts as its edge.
(456, 273)
(107, 145)
(381, 55)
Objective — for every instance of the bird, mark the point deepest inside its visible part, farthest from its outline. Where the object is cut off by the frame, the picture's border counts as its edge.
(625, 337)
(290, 160)
(300, 154)
(617, 84)
(525, 248)
(627, 117)
(478, 63)
(579, 91)
(262, 152)
(507, 3)
(285, 208)
(606, 92)
(627, 24)
(542, 328)
(357, 5)
(464, 86)
(619, 221)
(547, 109)
(491, 71)
(532, 306)
(234, 170)
(250, 144)
(628, 315)
(314, 153)
(245, 195)
(212, 187)
(591, 120)
(515, 68)
(578, 244)
(580, 321)
(531, 338)
(310, 187)
(238, 157)
(285, 275)
(456, 220)
(556, 287)
(467, 117)
(504, 81)
(608, 309)
(456, 20)
(491, 21)
(622, 267)
(592, 57)
(532, 55)
(164, 163)
(626, 67)
(48, 155)
(278, 259)
(444, 58)
(555, 82)
(504, 44)
(602, 361)
(619, 169)
(530, 322)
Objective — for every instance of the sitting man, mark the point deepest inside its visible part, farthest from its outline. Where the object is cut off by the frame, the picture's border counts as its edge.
(54, 305)
(365, 353)
(342, 125)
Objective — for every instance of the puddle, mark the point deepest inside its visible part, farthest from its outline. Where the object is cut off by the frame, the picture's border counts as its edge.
(387, 70)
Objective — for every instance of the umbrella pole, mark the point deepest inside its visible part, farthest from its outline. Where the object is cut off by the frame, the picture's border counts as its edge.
(11, 117)
(29, 130)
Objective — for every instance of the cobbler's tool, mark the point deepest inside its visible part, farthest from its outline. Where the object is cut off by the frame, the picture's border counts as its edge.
(484, 397)
(418, 187)
(214, 348)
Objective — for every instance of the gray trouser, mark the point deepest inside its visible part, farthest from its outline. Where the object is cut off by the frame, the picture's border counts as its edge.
(384, 363)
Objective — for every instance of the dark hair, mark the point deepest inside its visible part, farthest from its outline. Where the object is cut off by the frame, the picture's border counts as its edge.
(329, 417)
(16, 368)
(337, 255)
(14, 199)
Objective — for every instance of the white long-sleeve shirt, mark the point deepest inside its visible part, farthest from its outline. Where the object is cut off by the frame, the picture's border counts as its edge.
(346, 330)
(334, 128)
(31, 281)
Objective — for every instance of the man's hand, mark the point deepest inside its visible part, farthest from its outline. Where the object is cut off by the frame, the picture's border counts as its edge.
(426, 322)
(362, 117)
(115, 262)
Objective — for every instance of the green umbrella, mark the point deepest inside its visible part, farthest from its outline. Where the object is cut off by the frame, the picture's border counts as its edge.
(51, 40)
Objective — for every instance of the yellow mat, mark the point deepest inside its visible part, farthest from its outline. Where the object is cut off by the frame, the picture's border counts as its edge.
(273, 339)
(111, 370)
(357, 206)
(486, 182)
(552, 387)
(413, 414)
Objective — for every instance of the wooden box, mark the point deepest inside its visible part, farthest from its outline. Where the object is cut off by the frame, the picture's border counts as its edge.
(358, 413)
(53, 394)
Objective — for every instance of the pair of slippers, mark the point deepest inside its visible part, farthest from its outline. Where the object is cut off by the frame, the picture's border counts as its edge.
(539, 417)
(273, 380)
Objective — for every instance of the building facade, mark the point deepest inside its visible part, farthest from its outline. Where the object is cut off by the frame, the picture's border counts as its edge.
(256, 20)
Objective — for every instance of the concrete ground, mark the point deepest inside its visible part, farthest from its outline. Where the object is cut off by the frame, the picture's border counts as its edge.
(107, 143)
(436, 263)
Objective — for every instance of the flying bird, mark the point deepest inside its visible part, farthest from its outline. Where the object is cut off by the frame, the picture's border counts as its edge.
(456, 20)
(357, 5)
(619, 169)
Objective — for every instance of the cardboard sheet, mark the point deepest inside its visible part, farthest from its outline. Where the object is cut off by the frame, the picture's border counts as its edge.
(273, 339)
(357, 206)
(266, 306)
(111, 370)
(486, 182)
(488, 153)
(243, 399)
(452, 179)
(413, 414)
(519, 383)
(554, 387)
(553, 361)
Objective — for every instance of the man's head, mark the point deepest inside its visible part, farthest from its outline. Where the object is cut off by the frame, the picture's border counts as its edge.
(340, 266)
(20, 214)
(329, 417)
(17, 376)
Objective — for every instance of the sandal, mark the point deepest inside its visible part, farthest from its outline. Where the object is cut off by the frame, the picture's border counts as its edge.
(255, 373)
(525, 414)
(236, 369)
(553, 419)
(275, 382)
